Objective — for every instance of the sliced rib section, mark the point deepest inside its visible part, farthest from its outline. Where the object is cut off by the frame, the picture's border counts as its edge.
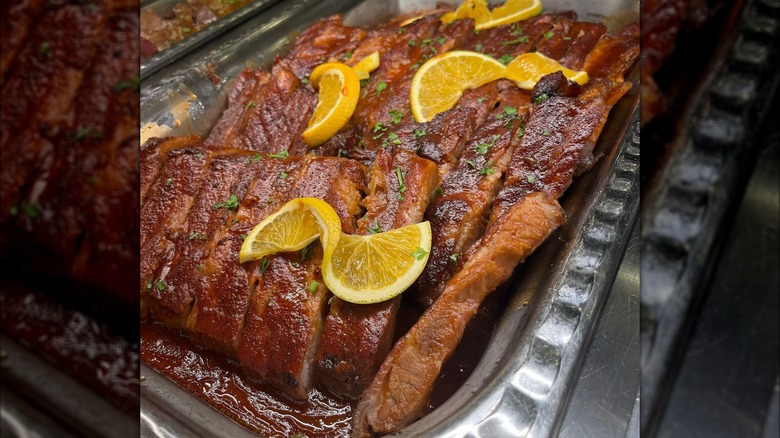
(357, 337)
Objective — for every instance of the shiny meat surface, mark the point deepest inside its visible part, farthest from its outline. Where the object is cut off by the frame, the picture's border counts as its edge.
(357, 337)
(400, 391)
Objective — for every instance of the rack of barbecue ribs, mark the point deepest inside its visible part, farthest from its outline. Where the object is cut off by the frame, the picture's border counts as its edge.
(488, 211)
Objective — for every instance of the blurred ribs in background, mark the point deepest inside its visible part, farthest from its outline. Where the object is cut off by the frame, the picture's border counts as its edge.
(69, 195)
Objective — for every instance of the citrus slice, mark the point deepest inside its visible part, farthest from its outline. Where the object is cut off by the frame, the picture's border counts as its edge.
(440, 82)
(510, 12)
(297, 224)
(338, 96)
(476, 9)
(366, 65)
(377, 267)
(528, 68)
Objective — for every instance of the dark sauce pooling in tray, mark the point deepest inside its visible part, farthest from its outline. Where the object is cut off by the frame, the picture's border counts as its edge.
(220, 382)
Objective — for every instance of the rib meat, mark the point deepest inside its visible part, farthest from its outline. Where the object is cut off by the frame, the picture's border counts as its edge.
(399, 392)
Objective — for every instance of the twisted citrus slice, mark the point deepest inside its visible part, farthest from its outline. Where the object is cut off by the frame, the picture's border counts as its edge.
(297, 224)
(528, 68)
(440, 82)
(338, 96)
(366, 65)
(476, 9)
(377, 267)
(510, 12)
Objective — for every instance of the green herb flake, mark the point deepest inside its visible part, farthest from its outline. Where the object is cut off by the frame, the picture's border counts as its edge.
(44, 48)
(348, 55)
(520, 131)
(417, 65)
(522, 39)
(531, 179)
(478, 47)
(487, 170)
(426, 41)
(254, 159)
(454, 258)
(419, 253)
(546, 132)
(418, 132)
(395, 116)
(482, 148)
(482, 99)
(186, 29)
(505, 59)
(380, 87)
(197, 235)
(343, 153)
(149, 285)
(541, 98)
(281, 154)
(391, 138)
(380, 127)
(32, 210)
(160, 285)
(548, 34)
(130, 84)
(567, 38)
(376, 229)
(313, 286)
(438, 192)
(400, 176)
(363, 83)
(305, 253)
(441, 40)
(516, 29)
(264, 264)
(168, 182)
(82, 132)
(471, 164)
(283, 174)
(412, 43)
(251, 104)
(304, 81)
(230, 204)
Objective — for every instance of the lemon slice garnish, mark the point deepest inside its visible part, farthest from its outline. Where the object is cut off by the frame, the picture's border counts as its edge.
(339, 90)
(526, 70)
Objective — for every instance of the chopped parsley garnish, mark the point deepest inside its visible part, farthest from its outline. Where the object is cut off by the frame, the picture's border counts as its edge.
(254, 159)
(31, 210)
(391, 138)
(509, 111)
(82, 132)
(399, 197)
(251, 104)
(380, 87)
(313, 286)
(168, 182)
(305, 253)
(363, 83)
(304, 81)
(548, 34)
(541, 98)
(426, 41)
(44, 48)
(454, 257)
(522, 39)
(412, 43)
(417, 65)
(482, 148)
(516, 29)
(230, 204)
(505, 59)
(271, 304)
(418, 133)
(520, 131)
(471, 164)
(531, 179)
(130, 84)
(160, 285)
(283, 174)
(486, 170)
(343, 153)
(197, 235)
(438, 192)
(441, 40)
(186, 29)
(482, 99)
(419, 253)
(395, 116)
(546, 132)
(376, 229)
(264, 264)
(478, 47)
(400, 176)
(380, 127)
(281, 154)
(567, 38)
(348, 55)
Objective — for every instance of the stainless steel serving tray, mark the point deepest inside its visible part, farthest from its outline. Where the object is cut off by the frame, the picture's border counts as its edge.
(197, 39)
(524, 378)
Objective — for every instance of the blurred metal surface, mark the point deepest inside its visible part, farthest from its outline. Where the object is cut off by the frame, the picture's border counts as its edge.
(38, 399)
(605, 394)
(523, 381)
(684, 214)
(726, 380)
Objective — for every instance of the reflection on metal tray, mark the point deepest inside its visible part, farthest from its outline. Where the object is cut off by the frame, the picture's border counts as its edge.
(684, 213)
(197, 39)
(522, 382)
